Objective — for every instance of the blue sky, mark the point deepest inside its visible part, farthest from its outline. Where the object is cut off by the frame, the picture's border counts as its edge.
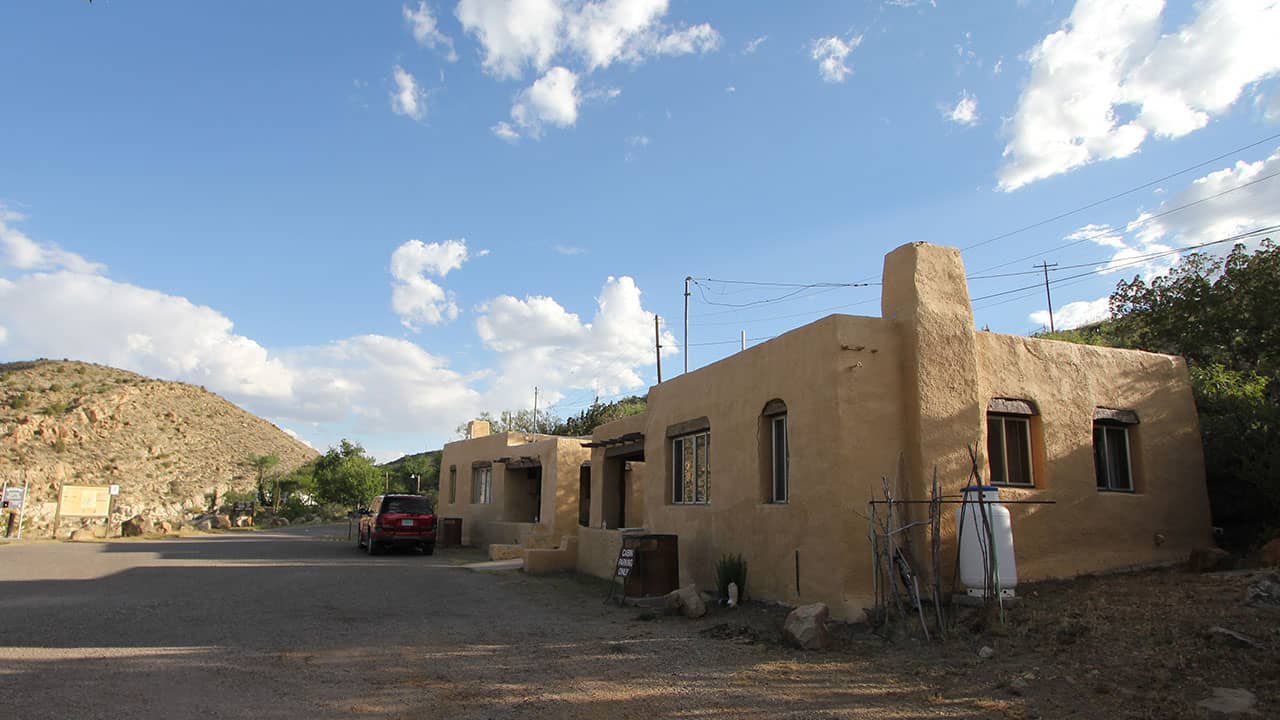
(376, 219)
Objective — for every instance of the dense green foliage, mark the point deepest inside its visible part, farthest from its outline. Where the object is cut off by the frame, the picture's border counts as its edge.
(1220, 314)
(347, 476)
(579, 425)
(417, 473)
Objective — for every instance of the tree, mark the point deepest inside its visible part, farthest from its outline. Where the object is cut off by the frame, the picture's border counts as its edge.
(346, 475)
(579, 425)
(261, 464)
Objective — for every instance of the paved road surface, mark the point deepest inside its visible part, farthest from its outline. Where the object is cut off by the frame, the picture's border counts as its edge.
(296, 623)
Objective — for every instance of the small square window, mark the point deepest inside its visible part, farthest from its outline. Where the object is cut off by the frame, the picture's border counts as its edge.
(1009, 450)
(1112, 463)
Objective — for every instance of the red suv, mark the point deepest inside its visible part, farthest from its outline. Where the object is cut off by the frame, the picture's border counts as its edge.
(398, 521)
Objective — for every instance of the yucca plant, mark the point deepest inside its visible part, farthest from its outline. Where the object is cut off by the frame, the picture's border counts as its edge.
(731, 569)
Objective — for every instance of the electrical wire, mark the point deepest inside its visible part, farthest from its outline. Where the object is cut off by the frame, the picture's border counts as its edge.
(1119, 195)
(1136, 223)
(1134, 261)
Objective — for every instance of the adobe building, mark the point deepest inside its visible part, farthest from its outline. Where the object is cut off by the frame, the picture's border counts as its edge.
(513, 489)
(775, 452)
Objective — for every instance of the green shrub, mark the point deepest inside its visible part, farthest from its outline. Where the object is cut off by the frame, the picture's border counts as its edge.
(20, 401)
(54, 409)
(732, 569)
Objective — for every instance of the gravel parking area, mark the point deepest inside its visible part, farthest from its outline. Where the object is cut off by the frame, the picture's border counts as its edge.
(298, 623)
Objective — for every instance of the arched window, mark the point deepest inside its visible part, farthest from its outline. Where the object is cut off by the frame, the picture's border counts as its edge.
(776, 451)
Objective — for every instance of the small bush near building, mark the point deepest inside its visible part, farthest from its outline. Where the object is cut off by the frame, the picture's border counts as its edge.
(732, 569)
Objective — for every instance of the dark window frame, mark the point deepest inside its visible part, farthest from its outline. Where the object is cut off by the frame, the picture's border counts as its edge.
(1106, 458)
(1002, 468)
(701, 451)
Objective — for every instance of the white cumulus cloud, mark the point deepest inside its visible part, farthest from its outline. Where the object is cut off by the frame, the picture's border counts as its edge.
(965, 111)
(1108, 79)
(1075, 314)
(754, 44)
(552, 100)
(551, 346)
(831, 54)
(415, 297)
(19, 252)
(407, 98)
(425, 29)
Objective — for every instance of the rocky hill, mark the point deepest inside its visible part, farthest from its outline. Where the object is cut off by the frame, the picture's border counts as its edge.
(169, 446)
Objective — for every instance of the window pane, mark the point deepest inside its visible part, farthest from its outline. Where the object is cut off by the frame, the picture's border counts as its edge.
(677, 462)
(700, 468)
(995, 449)
(780, 459)
(686, 470)
(706, 467)
(1017, 453)
(1100, 456)
(1118, 458)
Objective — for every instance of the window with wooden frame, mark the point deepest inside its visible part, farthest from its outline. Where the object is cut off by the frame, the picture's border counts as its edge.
(481, 484)
(453, 484)
(1009, 446)
(691, 466)
(776, 452)
(1112, 449)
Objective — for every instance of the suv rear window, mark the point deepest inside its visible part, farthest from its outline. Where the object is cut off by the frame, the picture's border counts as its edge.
(406, 505)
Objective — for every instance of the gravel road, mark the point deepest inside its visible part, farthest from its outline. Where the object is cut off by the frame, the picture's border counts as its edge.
(297, 623)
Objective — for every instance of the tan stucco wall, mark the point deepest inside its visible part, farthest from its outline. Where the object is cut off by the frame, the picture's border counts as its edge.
(486, 523)
(598, 551)
(1087, 530)
(832, 468)
(869, 398)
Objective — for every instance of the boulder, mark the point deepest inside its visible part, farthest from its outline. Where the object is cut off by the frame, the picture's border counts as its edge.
(221, 522)
(135, 526)
(279, 521)
(691, 603)
(1229, 701)
(1263, 591)
(806, 627)
(986, 652)
(686, 600)
(1271, 554)
(1210, 560)
(164, 527)
(243, 521)
(82, 535)
(204, 524)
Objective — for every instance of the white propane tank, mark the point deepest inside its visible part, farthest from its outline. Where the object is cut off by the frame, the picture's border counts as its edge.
(973, 542)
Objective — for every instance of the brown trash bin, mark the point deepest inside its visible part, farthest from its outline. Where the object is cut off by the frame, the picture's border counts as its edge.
(450, 532)
(657, 565)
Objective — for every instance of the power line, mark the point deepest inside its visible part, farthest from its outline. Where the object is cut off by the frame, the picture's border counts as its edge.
(1119, 195)
(1136, 261)
(1136, 223)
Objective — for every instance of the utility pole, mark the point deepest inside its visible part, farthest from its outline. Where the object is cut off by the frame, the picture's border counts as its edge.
(744, 339)
(535, 409)
(1048, 298)
(657, 345)
(687, 280)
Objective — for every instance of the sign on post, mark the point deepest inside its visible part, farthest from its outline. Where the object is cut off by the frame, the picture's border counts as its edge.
(14, 497)
(84, 501)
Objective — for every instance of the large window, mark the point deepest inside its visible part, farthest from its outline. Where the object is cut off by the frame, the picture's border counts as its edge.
(453, 484)
(1111, 460)
(482, 485)
(691, 468)
(1009, 450)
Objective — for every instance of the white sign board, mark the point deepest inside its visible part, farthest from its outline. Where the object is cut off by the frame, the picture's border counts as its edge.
(14, 497)
(115, 489)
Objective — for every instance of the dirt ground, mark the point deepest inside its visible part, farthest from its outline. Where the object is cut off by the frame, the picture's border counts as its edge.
(297, 623)
(1122, 646)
